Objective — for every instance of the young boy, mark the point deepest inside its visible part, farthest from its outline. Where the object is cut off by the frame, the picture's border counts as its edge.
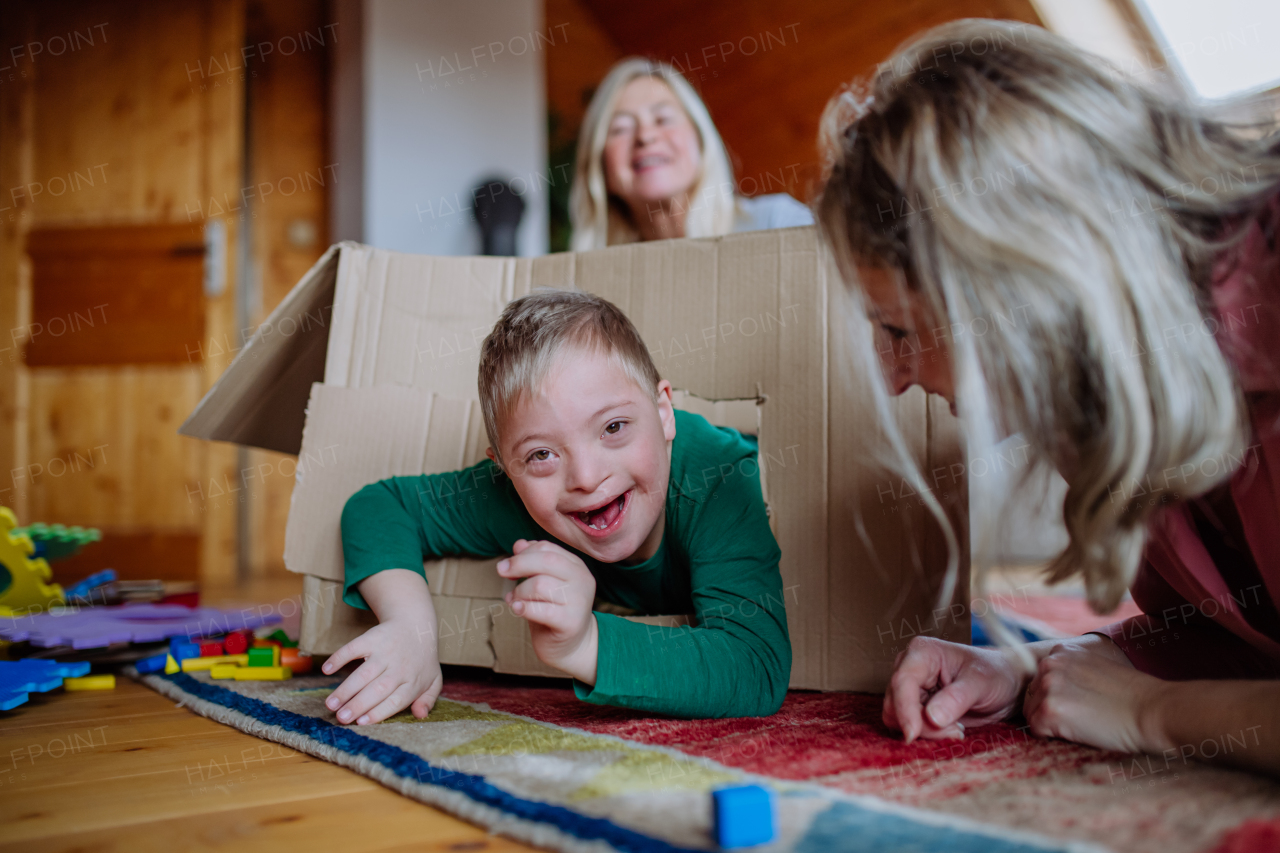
(597, 486)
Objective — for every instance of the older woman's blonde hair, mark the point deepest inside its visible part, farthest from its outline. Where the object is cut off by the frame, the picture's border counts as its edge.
(600, 219)
(1060, 222)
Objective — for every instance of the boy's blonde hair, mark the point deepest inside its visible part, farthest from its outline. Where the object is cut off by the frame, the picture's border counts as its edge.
(1022, 187)
(600, 219)
(535, 330)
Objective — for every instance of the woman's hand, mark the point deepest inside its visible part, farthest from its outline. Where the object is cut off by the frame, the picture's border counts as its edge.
(1096, 697)
(556, 599)
(938, 688)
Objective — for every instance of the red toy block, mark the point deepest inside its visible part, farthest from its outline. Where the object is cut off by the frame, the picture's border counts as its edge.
(236, 643)
(211, 649)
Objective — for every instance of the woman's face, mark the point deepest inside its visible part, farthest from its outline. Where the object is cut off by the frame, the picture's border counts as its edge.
(914, 346)
(651, 153)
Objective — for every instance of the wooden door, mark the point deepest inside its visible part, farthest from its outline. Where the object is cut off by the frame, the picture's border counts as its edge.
(120, 121)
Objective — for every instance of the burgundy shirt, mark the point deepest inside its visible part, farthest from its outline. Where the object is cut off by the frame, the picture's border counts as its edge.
(1210, 576)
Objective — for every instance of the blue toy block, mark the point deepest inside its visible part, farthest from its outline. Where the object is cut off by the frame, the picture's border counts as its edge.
(155, 663)
(19, 679)
(89, 584)
(743, 816)
(182, 651)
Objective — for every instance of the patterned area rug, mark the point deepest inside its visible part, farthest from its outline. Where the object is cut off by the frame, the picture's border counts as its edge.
(999, 775)
(575, 788)
(530, 761)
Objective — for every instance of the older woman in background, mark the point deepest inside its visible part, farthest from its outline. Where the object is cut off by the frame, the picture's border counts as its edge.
(651, 166)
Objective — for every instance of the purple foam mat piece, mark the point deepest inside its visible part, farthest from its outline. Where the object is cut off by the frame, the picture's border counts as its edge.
(97, 627)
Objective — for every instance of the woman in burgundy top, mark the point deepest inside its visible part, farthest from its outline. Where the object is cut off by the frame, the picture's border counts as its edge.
(1100, 267)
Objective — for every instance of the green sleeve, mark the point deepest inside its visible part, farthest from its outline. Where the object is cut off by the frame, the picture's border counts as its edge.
(736, 662)
(396, 523)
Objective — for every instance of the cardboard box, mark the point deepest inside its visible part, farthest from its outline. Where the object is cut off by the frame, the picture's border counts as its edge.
(368, 369)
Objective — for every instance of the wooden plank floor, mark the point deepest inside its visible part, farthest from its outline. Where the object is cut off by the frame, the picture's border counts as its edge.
(128, 770)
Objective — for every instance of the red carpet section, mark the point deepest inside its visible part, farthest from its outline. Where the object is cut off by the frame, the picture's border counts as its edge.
(999, 774)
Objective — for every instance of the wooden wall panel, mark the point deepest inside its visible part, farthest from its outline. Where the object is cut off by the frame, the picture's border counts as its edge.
(222, 125)
(575, 66)
(16, 27)
(292, 175)
(767, 104)
(134, 97)
(103, 448)
(116, 295)
(140, 555)
(140, 124)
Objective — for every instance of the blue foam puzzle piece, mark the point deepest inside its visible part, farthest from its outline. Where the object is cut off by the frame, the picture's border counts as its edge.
(155, 663)
(743, 816)
(19, 679)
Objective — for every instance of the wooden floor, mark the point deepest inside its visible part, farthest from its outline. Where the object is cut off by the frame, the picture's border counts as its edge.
(127, 770)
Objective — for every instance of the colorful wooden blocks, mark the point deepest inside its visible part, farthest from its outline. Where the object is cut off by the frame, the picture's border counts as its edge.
(211, 649)
(262, 673)
(155, 663)
(264, 656)
(209, 662)
(743, 816)
(91, 682)
(282, 638)
(235, 643)
(181, 651)
(296, 661)
(171, 665)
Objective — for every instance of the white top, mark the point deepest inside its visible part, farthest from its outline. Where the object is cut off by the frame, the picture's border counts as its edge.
(777, 210)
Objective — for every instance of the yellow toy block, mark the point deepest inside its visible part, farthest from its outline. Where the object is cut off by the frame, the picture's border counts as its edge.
(197, 664)
(223, 670)
(263, 673)
(90, 682)
(275, 655)
(171, 665)
(27, 590)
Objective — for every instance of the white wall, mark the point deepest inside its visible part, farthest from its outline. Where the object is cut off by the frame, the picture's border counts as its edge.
(452, 92)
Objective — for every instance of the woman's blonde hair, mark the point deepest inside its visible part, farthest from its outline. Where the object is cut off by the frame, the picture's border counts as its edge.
(1060, 221)
(600, 219)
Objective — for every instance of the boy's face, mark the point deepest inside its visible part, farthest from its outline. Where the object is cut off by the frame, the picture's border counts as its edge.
(590, 456)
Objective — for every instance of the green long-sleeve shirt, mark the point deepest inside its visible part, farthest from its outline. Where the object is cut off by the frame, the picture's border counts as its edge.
(718, 560)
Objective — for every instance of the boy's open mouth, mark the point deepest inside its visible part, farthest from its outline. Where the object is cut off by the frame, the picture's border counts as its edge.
(605, 518)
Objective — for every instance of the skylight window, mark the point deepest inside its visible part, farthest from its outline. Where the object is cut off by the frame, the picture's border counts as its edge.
(1223, 48)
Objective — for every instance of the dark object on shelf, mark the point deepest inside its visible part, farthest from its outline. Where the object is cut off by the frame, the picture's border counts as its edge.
(498, 210)
(119, 592)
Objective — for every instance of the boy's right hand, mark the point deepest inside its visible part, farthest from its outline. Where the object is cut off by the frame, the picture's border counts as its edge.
(401, 669)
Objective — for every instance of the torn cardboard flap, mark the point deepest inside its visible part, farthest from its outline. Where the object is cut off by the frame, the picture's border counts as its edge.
(736, 318)
(355, 437)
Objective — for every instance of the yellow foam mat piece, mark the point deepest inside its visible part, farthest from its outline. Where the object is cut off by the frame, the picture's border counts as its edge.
(28, 590)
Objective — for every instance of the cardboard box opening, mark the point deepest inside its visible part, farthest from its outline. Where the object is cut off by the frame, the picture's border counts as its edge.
(367, 369)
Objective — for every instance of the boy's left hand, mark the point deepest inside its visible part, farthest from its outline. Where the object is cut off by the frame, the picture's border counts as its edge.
(556, 599)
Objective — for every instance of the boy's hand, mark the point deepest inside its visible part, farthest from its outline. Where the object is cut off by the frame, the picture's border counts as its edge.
(556, 599)
(401, 669)
(401, 666)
